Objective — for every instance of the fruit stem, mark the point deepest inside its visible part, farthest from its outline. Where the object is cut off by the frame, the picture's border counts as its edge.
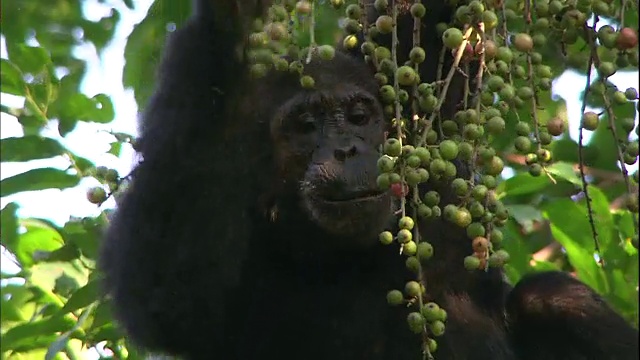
(534, 102)
(623, 4)
(612, 126)
(447, 82)
(585, 185)
(312, 30)
(396, 101)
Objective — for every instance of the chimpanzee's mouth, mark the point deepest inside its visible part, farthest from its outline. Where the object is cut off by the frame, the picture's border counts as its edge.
(353, 196)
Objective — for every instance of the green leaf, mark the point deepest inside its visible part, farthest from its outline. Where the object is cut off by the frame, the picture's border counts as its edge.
(32, 59)
(570, 227)
(38, 237)
(602, 219)
(565, 171)
(85, 239)
(9, 226)
(145, 44)
(37, 179)
(525, 215)
(24, 334)
(545, 266)
(65, 253)
(102, 315)
(522, 184)
(83, 164)
(115, 148)
(103, 109)
(11, 79)
(82, 297)
(28, 148)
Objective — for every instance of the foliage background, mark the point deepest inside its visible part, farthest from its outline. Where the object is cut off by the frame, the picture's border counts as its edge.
(58, 124)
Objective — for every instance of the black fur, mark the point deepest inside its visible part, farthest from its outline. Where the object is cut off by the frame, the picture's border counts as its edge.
(197, 267)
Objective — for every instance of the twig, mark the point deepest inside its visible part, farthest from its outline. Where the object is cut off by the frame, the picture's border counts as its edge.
(396, 88)
(611, 120)
(585, 185)
(447, 82)
(312, 31)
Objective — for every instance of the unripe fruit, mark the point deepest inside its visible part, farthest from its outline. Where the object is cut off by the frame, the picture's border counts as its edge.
(395, 297)
(388, 94)
(406, 76)
(337, 3)
(504, 54)
(523, 42)
(448, 149)
(416, 322)
(412, 264)
(475, 229)
(424, 211)
(476, 7)
(406, 222)
(522, 144)
(631, 94)
(392, 147)
(452, 38)
(383, 181)
(437, 328)
(462, 217)
(424, 251)
(384, 24)
(417, 54)
(495, 83)
(381, 5)
(535, 170)
(496, 125)
(303, 7)
(96, 195)
(276, 31)
(354, 12)
(471, 263)
(432, 198)
(418, 10)
(590, 121)
(619, 98)
(326, 52)
(490, 20)
(307, 82)
(460, 186)
(385, 237)
(606, 68)
(409, 248)
(350, 42)
(404, 236)
(430, 311)
(525, 93)
(412, 289)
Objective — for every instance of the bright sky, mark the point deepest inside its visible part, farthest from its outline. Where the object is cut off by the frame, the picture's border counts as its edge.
(90, 140)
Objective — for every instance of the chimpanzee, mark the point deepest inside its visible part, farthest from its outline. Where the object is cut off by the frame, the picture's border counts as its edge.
(250, 227)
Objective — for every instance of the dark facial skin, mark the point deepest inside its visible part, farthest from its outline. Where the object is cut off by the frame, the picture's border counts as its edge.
(333, 135)
(326, 142)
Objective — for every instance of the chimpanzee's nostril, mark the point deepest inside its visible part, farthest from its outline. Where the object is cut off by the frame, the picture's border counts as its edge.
(342, 154)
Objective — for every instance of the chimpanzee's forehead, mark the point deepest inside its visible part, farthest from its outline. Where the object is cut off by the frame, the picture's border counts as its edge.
(330, 99)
